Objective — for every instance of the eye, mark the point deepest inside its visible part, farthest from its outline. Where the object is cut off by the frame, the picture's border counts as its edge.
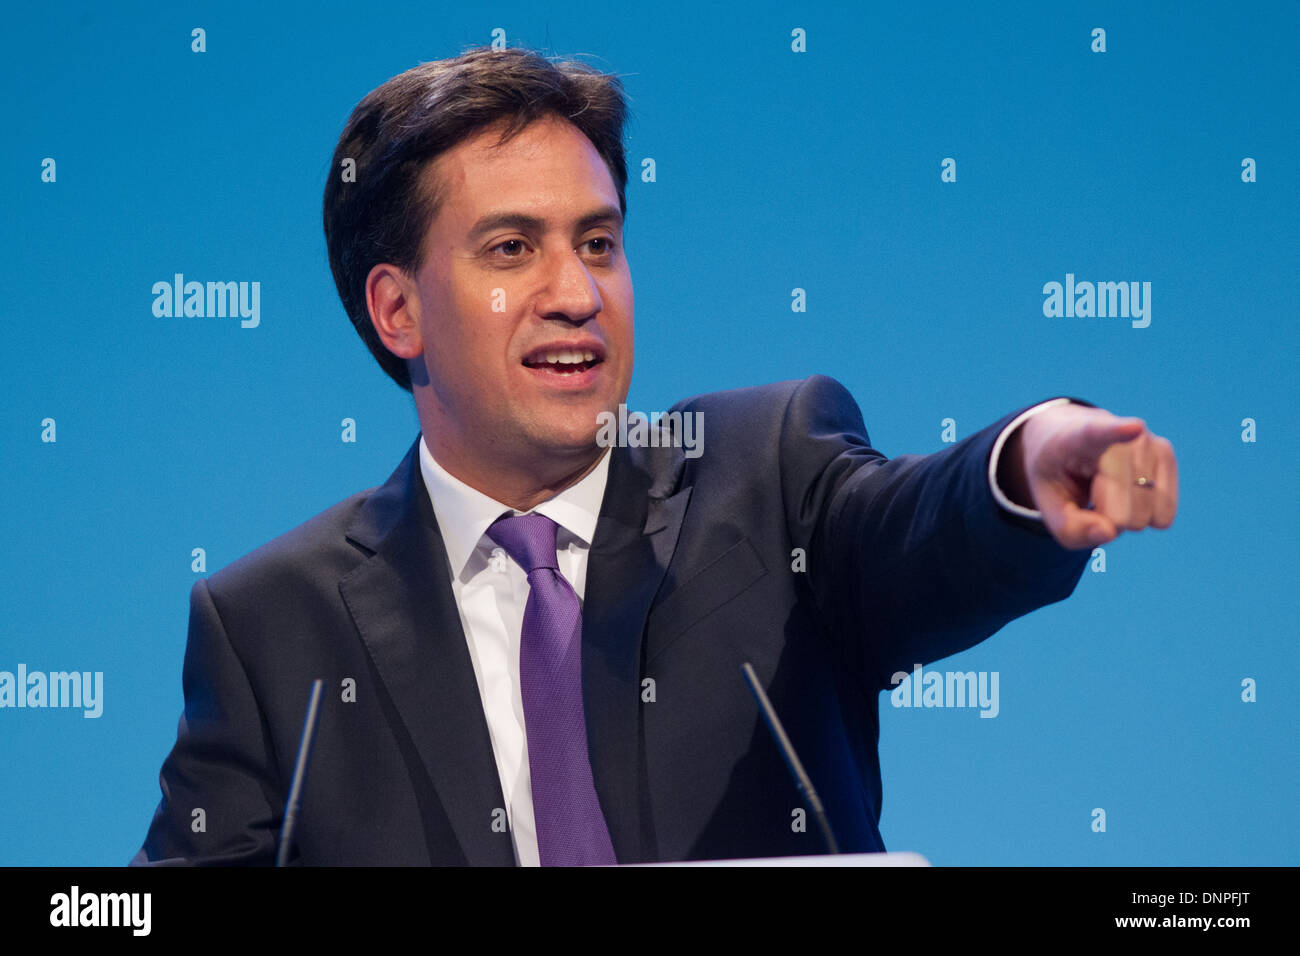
(514, 243)
(607, 245)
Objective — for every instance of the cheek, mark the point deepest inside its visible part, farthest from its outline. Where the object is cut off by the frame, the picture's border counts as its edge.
(477, 331)
(626, 340)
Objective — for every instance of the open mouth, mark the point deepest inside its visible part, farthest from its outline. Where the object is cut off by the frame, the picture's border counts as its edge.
(563, 361)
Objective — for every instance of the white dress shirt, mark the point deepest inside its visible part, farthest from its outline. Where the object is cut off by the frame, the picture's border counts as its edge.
(491, 591)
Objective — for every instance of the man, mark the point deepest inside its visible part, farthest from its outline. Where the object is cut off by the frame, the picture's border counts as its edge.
(531, 643)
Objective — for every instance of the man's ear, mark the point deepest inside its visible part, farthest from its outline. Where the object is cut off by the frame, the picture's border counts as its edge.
(394, 304)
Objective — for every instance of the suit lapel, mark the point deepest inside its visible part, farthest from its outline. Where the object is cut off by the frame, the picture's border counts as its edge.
(636, 534)
(403, 607)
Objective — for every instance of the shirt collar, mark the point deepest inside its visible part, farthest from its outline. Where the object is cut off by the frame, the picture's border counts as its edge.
(464, 513)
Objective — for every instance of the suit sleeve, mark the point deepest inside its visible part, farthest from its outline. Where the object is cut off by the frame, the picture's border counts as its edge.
(220, 783)
(910, 559)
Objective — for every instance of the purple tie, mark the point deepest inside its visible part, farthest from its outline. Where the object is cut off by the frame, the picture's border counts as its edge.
(571, 829)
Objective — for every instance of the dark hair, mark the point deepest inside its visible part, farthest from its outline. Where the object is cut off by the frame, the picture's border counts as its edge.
(401, 126)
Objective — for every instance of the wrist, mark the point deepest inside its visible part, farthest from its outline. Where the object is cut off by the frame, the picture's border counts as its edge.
(1011, 476)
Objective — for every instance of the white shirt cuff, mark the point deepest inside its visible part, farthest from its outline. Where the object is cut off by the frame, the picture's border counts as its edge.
(998, 495)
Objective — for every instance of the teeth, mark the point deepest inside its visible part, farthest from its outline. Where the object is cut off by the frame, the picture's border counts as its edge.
(564, 357)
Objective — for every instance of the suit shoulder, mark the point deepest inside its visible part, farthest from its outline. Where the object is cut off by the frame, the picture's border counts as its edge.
(317, 545)
(777, 394)
(772, 403)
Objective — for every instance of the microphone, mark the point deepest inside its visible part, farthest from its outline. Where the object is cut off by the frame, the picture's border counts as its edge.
(299, 773)
(801, 780)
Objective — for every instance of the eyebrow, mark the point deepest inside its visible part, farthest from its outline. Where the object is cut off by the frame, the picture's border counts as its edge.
(526, 223)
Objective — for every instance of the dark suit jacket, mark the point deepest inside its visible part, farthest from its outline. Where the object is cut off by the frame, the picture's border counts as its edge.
(690, 574)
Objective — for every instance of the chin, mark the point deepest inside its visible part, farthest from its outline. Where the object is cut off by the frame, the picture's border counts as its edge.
(580, 447)
(576, 443)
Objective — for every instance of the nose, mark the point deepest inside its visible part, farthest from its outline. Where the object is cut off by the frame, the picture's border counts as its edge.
(571, 293)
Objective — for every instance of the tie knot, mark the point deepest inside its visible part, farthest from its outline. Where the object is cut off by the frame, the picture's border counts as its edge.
(529, 539)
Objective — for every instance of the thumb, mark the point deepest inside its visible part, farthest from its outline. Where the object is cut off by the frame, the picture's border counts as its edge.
(1073, 527)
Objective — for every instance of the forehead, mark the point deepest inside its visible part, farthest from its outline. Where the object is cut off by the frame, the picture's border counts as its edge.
(550, 163)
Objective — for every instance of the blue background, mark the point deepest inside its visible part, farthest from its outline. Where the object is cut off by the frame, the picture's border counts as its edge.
(775, 170)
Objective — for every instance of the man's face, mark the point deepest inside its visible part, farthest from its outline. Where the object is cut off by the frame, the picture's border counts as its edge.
(525, 299)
